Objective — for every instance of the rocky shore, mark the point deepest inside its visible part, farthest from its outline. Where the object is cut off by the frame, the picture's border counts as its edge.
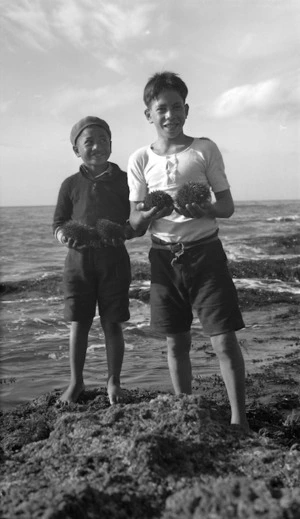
(156, 455)
(160, 456)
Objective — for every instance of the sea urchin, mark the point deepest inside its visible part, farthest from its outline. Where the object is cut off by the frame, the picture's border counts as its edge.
(159, 199)
(192, 192)
(95, 237)
(81, 233)
(108, 230)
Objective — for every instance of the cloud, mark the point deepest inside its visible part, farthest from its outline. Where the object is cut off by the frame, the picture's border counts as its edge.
(5, 106)
(29, 22)
(271, 97)
(41, 24)
(67, 100)
(115, 63)
(124, 23)
(69, 20)
(159, 57)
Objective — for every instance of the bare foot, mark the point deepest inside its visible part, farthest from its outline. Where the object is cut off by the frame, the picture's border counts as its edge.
(114, 391)
(242, 428)
(72, 393)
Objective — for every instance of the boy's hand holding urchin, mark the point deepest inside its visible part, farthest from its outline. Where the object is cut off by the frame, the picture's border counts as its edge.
(157, 204)
(196, 211)
(193, 200)
(71, 243)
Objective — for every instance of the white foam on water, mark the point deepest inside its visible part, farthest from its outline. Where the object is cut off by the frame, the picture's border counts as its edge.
(268, 285)
(276, 219)
(56, 336)
(58, 356)
(94, 347)
(31, 299)
(239, 252)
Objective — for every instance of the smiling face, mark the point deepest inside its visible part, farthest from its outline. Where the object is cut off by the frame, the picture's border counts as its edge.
(168, 113)
(93, 145)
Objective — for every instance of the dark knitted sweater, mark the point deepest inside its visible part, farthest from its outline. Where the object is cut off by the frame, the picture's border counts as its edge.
(86, 201)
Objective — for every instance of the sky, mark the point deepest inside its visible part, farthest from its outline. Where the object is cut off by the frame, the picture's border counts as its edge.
(64, 59)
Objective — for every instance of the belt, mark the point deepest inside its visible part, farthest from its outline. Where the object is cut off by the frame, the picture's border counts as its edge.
(179, 248)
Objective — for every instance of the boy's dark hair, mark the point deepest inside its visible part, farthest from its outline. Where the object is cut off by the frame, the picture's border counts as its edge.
(164, 81)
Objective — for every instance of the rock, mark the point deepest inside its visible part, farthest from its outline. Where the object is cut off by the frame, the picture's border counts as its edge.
(154, 456)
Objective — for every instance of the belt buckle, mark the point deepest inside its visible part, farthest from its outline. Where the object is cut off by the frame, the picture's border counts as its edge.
(178, 250)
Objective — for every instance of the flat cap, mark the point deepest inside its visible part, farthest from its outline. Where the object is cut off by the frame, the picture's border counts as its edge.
(84, 123)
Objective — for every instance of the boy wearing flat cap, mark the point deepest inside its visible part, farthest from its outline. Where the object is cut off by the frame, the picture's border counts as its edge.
(94, 274)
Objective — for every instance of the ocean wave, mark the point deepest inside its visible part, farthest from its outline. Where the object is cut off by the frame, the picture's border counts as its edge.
(268, 285)
(265, 247)
(277, 219)
(48, 289)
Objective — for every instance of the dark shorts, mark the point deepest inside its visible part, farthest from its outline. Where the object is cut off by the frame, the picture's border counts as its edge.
(199, 281)
(97, 276)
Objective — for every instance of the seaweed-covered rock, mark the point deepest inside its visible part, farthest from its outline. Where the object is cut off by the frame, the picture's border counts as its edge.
(159, 199)
(155, 455)
(233, 497)
(192, 192)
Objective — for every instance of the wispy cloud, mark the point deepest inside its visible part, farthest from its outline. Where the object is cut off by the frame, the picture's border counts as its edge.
(28, 21)
(273, 96)
(4, 106)
(69, 100)
(158, 57)
(124, 22)
(115, 63)
(69, 20)
(40, 24)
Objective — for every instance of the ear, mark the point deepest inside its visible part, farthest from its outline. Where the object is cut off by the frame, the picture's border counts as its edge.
(186, 107)
(75, 149)
(148, 115)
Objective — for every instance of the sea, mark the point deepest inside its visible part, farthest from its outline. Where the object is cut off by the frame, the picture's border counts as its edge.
(34, 357)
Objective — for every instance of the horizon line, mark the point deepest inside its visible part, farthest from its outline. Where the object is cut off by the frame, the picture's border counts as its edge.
(235, 201)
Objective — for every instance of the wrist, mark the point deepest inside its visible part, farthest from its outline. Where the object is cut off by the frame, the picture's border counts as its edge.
(59, 235)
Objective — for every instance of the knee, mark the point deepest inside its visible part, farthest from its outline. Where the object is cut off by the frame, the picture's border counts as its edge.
(81, 326)
(225, 345)
(178, 347)
(111, 329)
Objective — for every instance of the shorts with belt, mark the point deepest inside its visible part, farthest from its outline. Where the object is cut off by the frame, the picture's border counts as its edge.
(192, 277)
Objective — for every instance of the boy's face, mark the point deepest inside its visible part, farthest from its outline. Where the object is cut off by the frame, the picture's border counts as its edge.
(168, 113)
(93, 145)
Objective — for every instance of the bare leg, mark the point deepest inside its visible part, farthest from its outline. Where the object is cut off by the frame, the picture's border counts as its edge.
(233, 372)
(114, 342)
(179, 362)
(78, 346)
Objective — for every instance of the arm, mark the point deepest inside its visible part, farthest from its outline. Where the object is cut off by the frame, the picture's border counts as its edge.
(130, 233)
(140, 219)
(223, 207)
(62, 214)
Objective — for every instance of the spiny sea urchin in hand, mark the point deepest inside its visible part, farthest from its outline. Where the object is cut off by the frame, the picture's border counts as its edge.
(108, 230)
(159, 199)
(95, 237)
(192, 193)
(81, 233)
